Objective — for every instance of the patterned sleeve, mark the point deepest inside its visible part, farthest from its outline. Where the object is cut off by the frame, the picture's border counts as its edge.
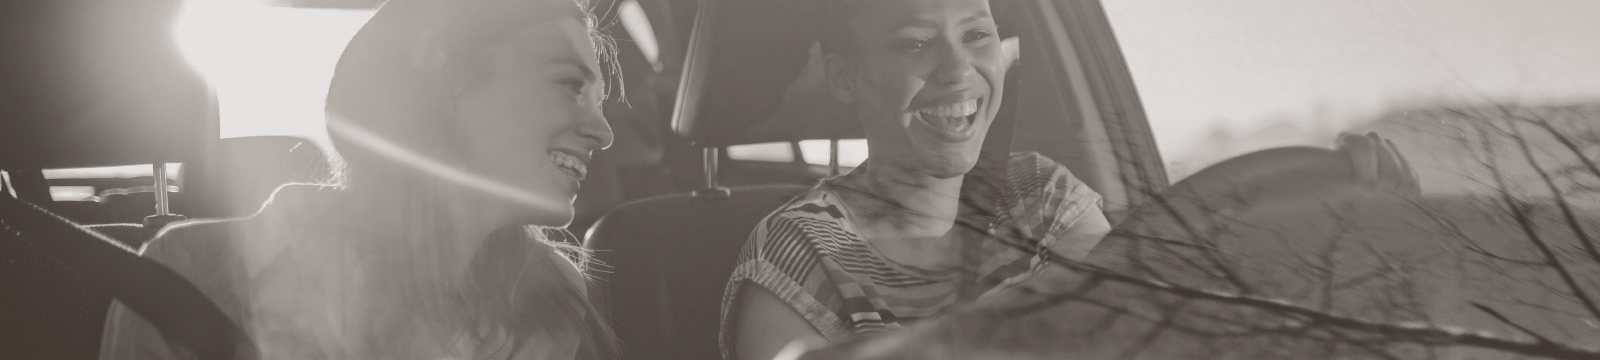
(1059, 211)
(777, 257)
(1075, 212)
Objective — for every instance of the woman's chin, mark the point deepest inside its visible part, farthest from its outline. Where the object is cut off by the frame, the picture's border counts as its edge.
(951, 167)
(551, 218)
(524, 215)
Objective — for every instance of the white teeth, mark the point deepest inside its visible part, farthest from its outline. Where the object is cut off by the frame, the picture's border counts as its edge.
(571, 164)
(960, 109)
(952, 117)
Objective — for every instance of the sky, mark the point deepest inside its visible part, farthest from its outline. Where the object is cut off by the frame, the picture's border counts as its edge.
(1245, 64)
(1199, 65)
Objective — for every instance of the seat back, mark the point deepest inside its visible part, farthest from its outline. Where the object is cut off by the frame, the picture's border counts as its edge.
(52, 306)
(47, 310)
(665, 261)
(97, 267)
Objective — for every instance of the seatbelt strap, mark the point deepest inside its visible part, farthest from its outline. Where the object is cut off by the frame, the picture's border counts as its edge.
(29, 184)
(157, 293)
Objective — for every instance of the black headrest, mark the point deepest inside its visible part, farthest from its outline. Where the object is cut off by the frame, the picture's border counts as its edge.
(96, 83)
(742, 56)
(665, 262)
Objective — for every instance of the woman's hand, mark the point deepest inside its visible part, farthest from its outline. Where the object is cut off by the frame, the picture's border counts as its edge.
(1377, 162)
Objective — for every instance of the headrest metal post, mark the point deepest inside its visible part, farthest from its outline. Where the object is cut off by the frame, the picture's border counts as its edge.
(164, 213)
(160, 175)
(833, 157)
(712, 190)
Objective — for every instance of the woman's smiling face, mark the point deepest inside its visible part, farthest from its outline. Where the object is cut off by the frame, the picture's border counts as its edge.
(925, 77)
(533, 118)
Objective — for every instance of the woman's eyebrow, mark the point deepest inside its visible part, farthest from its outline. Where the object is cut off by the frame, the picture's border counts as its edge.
(930, 23)
(979, 15)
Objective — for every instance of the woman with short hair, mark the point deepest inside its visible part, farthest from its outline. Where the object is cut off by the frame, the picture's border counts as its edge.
(896, 240)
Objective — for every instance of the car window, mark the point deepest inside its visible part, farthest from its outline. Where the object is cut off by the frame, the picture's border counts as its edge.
(95, 183)
(814, 152)
(1223, 78)
(270, 65)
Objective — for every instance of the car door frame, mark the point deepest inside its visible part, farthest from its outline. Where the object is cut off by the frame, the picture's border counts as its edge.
(1114, 150)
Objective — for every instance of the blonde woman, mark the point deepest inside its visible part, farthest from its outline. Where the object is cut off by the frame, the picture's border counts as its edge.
(465, 127)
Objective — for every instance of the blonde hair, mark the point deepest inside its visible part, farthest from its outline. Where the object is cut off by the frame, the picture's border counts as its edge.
(424, 285)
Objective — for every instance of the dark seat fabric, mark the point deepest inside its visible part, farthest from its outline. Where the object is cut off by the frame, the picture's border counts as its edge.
(47, 310)
(665, 261)
(57, 262)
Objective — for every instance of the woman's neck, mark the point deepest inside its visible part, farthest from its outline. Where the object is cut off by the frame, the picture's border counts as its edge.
(891, 199)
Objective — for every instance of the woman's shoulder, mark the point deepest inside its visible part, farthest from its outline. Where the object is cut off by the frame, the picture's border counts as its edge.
(817, 204)
(204, 250)
(815, 215)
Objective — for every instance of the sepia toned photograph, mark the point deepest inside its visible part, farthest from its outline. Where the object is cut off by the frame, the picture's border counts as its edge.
(799, 179)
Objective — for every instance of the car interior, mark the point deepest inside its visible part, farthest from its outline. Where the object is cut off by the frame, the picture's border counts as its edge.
(720, 127)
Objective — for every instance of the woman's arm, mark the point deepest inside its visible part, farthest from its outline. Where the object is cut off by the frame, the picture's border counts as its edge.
(764, 324)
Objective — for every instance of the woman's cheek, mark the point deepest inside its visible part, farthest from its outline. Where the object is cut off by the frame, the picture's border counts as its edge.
(991, 60)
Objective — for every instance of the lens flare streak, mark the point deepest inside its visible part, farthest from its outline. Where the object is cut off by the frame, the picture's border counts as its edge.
(395, 152)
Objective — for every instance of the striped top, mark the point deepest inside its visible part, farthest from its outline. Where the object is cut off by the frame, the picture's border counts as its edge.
(809, 254)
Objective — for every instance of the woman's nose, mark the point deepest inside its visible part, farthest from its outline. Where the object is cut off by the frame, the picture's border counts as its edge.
(955, 65)
(592, 126)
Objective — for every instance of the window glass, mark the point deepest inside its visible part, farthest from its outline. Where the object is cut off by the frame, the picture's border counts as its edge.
(851, 152)
(1221, 78)
(814, 152)
(773, 151)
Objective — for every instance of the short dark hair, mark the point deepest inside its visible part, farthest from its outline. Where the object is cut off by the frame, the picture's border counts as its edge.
(833, 26)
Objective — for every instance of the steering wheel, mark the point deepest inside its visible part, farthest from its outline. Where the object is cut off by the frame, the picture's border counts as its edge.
(1271, 180)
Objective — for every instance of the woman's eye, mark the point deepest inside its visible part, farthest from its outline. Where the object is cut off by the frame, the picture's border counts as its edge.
(573, 85)
(977, 35)
(914, 45)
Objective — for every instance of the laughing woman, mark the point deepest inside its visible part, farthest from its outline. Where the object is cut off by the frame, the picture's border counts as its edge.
(892, 242)
(465, 126)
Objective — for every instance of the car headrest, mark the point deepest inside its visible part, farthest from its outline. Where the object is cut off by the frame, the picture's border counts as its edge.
(742, 56)
(97, 83)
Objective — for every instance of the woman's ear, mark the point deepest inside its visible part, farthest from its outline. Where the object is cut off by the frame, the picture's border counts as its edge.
(427, 53)
(836, 75)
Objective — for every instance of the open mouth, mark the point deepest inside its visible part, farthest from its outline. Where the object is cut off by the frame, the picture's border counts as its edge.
(953, 119)
(569, 164)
